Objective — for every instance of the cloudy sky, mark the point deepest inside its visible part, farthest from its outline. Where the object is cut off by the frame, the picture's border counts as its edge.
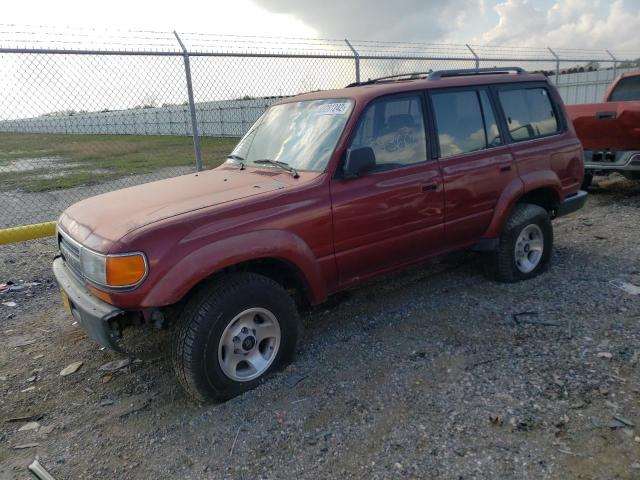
(561, 23)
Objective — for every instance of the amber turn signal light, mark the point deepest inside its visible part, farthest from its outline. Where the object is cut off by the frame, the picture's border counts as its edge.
(125, 270)
(104, 296)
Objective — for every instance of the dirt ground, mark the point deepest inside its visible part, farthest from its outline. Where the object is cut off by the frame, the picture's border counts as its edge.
(432, 373)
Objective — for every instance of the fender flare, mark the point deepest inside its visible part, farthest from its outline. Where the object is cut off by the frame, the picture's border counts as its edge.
(515, 190)
(199, 264)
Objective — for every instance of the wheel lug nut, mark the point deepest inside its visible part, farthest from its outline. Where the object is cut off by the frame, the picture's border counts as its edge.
(244, 330)
(236, 339)
(254, 331)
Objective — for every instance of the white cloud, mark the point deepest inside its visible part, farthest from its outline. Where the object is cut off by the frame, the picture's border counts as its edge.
(566, 24)
(405, 20)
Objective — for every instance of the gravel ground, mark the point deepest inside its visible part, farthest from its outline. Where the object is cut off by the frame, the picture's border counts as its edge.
(431, 373)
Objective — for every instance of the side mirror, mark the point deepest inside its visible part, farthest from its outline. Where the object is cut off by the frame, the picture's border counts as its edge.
(359, 161)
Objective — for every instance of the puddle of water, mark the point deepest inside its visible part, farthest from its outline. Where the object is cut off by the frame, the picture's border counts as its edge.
(57, 165)
(64, 173)
(28, 164)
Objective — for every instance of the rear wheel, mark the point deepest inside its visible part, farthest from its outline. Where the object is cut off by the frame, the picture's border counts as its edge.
(234, 332)
(525, 245)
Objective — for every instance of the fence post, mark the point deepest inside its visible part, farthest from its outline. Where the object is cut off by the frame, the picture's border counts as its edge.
(477, 59)
(615, 64)
(192, 105)
(557, 65)
(356, 57)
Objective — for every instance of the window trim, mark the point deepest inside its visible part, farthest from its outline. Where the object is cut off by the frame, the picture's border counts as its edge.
(470, 88)
(484, 119)
(420, 94)
(560, 120)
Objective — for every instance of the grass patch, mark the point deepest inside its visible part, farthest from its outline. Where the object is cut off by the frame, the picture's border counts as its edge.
(44, 162)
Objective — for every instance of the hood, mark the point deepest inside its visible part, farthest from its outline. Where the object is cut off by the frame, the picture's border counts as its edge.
(99, 221)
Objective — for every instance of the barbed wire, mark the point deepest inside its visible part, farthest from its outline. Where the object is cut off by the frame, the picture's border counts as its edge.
(49, 37)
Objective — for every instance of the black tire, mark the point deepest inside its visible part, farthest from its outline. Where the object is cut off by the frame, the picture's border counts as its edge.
(501, 265)
(205, 318)
(586, 181)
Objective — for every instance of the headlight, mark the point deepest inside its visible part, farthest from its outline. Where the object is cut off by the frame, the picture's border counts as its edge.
(93, 266)
(123, 270)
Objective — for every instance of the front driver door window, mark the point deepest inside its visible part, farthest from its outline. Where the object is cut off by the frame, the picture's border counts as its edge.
(394, 129)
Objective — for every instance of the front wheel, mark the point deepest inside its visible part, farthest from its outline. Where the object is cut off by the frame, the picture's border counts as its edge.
(233, 333)
(525, 245)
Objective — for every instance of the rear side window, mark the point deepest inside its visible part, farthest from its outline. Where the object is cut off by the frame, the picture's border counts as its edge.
(465, 122)
(627, 89)
(394, 128)
(529, 112)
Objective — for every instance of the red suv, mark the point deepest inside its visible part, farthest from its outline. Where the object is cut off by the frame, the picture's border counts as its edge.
(325, 191)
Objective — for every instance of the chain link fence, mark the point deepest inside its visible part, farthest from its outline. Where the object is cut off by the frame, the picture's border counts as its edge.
(86, 111)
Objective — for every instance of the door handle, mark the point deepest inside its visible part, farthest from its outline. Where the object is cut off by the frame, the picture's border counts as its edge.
(505, 168)
(605, 115)
(429, 188)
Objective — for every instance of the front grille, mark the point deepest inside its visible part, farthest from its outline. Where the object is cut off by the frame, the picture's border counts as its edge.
(70, 253)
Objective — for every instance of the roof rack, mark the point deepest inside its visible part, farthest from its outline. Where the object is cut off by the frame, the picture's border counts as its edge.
(474, 71)
(389, 78)
(437, 75)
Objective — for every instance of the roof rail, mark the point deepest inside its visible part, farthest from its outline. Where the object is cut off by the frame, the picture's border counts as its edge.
(474, 71)
(437, 75)
(388, 78)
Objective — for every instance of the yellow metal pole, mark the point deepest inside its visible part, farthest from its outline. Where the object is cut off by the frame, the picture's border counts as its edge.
(27, 232)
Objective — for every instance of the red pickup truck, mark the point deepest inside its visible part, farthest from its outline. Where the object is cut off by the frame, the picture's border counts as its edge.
(610, 131)
(325, 191)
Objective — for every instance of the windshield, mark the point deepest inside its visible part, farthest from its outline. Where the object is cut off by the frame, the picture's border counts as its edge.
(300, 134)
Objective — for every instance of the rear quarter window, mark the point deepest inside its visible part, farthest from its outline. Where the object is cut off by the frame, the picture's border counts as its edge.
(628, 89)
(529, 112)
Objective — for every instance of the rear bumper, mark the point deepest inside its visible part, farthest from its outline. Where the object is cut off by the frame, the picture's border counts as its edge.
(572, 203)
(92, 313)
(628, 160)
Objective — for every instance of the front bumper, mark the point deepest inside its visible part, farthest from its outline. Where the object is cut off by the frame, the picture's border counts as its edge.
(572, 203)
(92, 313)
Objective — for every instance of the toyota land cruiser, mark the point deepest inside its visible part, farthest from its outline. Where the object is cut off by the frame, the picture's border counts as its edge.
(325, 191)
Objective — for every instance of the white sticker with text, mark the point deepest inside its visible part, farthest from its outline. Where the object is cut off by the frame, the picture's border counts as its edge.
(333, 109)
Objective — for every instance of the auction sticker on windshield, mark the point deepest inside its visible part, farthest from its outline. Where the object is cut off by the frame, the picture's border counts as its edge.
(333, 108)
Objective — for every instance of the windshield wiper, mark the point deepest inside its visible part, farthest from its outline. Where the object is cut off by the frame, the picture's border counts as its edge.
(238, 158)
(276, 163)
